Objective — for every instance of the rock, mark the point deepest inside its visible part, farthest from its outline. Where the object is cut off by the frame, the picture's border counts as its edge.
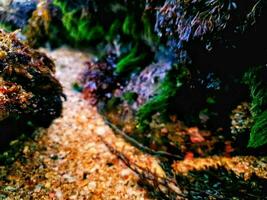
(16, 13)
(101, 130)
(28, 89)
(92, 185)
(147, 82)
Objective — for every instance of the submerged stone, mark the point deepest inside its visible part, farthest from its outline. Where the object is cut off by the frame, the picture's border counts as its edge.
(28, 89)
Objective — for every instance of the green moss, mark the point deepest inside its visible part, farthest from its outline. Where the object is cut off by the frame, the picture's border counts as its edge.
(258, 89)
(148, 31)
(79, 28)
(5, 27)
(129, 26)
(113, 30)
(140, 28)
(255, 78)
(61, 4)
(160, 102)
(157, 104)
(95, 33)
(211, 100)
(113, 103)
(82, 24)
(130, 61)
(130, 97)
(258, 134)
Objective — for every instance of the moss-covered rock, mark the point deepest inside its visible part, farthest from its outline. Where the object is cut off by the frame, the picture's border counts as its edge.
(215, 41)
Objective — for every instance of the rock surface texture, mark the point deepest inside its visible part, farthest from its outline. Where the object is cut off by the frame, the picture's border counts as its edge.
(29, 91)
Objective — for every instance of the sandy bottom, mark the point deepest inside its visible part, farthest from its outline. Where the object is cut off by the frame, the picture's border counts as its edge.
(69, 160)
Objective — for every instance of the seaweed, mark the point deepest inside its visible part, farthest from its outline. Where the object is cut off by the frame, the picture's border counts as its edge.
(113, 30)
(129, 26)
(79, 28)
(91, 21)
(38, 28)
(130, 61)
(149, 35)
(5, 27)
(98, 81)
(255, 79)
(258, 134)
(45, 27)
(130, 97)
(161, 101)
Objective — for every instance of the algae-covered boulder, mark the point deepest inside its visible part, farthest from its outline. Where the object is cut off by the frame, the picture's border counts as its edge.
(214, 48)
(29, 92)
(16, 13)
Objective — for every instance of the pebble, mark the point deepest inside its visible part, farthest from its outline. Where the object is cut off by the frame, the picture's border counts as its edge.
(92, 185)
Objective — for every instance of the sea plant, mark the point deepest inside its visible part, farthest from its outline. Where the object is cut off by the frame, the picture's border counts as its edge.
(132, 60)
(160, 102)
(98, 81)
(255, 79)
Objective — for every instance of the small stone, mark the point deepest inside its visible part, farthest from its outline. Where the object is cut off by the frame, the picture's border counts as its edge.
(47, 185)
(125, 172)
(59, 194)
(69, 178)
(92, 185)
(100, 131)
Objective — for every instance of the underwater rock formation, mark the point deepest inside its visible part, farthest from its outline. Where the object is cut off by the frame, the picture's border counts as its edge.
(147, 82)
(222, 40)
(211, 45)
(216, 42)
(17, 12)
(29, 92)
